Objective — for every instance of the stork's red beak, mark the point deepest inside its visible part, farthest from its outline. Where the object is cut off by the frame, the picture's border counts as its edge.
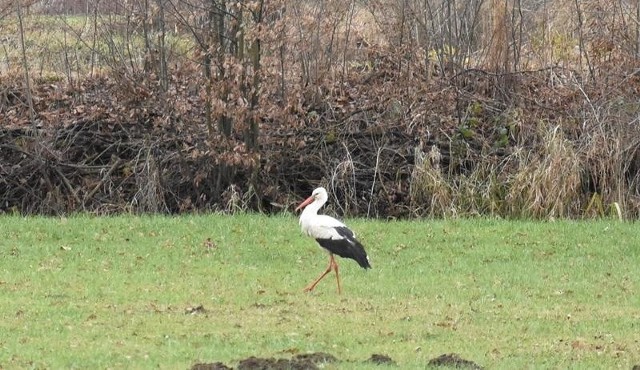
(305, 203)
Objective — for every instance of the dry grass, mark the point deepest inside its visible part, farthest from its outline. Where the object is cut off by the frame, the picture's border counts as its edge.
(547, 184)
(481, 192)
(611, 156)
(429, 188)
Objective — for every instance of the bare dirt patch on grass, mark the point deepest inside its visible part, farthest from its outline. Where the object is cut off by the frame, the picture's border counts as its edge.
(309, 361)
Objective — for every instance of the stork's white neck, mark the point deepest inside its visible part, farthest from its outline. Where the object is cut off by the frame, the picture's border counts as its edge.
(312, 209)
(310, 213)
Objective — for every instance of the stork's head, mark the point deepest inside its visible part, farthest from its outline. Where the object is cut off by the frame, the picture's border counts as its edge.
(319, 195)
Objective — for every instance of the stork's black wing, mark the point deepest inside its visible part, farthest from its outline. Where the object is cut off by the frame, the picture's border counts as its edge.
(347, 247)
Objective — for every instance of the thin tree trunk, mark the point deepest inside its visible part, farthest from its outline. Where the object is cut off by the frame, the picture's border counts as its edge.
(583, 50)
(217, 18)
(94, 41)
(162, 50)
(25, 67)
(256, 50)
(148, 49)
(637, 29)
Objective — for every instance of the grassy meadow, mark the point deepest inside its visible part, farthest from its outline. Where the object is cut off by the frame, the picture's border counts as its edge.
(123, 292)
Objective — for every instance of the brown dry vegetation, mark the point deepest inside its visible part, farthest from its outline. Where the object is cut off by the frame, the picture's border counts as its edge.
(444, 108)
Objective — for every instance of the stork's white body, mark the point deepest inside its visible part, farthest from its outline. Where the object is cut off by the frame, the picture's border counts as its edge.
(319, 226)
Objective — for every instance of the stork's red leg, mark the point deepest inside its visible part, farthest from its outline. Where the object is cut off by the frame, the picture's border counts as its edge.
(335, 268)
(328, 270)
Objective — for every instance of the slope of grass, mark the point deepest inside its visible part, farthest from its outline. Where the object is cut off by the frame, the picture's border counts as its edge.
(121, 292)
(56, 46)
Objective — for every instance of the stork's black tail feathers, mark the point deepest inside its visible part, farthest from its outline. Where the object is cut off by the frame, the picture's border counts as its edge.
(349, 247)
(359, 254)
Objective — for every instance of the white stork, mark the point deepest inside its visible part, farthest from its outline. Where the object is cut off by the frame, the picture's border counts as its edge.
(331, 234)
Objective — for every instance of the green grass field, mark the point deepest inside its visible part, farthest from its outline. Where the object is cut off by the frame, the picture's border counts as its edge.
(119, 292)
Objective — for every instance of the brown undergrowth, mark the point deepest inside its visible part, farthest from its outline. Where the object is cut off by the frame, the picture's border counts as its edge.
(440, 146)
